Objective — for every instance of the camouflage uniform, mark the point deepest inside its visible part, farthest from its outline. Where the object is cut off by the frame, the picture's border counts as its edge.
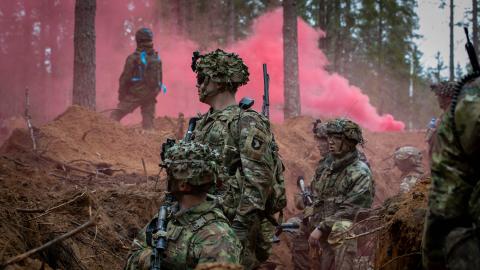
(141, 81)
(409, 160)
(450, 237)
(443, 91)
(200, 234)
(243, 136)
(342, 186)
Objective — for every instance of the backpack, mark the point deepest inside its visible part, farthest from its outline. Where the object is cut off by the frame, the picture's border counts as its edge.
(147, 72)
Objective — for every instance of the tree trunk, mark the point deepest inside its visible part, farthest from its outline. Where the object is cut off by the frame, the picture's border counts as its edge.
(475, 24)
(452, 65)
(290, 60)
(380, 58)
(84, 54)
(230, 25)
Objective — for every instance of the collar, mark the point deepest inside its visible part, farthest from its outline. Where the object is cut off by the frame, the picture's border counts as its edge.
(187, 216)
(339, 164)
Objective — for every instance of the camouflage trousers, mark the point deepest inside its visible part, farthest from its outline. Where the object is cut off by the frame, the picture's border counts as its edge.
(129, 103)
(258, 244)
(299, 249)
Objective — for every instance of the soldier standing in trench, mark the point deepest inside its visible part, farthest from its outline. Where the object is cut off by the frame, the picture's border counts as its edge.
(344, 186)
(251, 185)
(141, 80)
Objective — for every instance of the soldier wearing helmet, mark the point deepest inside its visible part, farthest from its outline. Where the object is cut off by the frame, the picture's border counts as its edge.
(343, 187)
(408, 160)
(252, 186)
(141, 80)
(198, 232)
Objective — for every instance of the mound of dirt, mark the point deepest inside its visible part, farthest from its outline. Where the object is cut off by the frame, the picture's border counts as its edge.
(87, 164)
(399, 244)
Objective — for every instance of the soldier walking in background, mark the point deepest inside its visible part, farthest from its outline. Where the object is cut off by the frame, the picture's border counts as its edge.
(141, 80)
(198, 232)
(251, 186)
(344, 186)
(408, 160)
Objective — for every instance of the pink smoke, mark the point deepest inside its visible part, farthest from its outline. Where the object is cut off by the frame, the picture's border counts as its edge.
(322, 94)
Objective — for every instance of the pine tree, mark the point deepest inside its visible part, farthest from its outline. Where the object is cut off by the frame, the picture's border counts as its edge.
(84, 54)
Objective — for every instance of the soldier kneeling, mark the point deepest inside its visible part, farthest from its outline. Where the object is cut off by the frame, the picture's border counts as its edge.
(197, 232)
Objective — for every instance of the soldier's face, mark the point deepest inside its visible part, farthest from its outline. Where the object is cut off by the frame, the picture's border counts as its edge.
(338, 145)
(444, 102)
(322, 145)
(205, 88)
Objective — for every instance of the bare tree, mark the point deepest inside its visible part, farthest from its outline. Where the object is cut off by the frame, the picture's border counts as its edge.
(291, 90)
(84, 54)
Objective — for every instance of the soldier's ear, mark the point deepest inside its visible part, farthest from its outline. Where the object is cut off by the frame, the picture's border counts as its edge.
(183, 186)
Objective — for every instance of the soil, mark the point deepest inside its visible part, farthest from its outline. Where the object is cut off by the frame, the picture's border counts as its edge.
(87, 166)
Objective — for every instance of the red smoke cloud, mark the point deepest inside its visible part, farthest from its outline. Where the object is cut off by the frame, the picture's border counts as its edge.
(322, 94)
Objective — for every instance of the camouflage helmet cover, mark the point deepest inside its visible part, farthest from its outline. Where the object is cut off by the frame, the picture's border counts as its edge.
(408, 152)
(144, 34)
(346, 127)
(192, 162)
(223, 67)
(443, 89)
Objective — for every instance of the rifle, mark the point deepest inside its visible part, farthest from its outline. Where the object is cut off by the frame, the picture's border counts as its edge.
(472, 55)
(307, 197)
(28, 119)
(160, 236)
(192, 123)
(266, 94)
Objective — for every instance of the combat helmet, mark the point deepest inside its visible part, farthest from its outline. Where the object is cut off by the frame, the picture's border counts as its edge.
(221, 67)
(143, 35)
(408, 153)
(347, 128)
(443, 89)
(196, 163)
(319, 129)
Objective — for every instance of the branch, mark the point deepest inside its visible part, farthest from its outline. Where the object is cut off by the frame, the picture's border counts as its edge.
(365, 233)
(27, 254)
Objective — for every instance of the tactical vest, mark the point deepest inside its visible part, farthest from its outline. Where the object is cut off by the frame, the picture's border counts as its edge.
(223, 134)
(179, 238)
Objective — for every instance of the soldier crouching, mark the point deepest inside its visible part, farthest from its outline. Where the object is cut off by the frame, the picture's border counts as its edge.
(198, 232)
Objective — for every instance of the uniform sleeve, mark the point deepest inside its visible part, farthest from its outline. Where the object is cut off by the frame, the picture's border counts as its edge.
(216, 243)
(452, 182)
(125, 78)
(139, 256)
(360, 195)
(257, 167)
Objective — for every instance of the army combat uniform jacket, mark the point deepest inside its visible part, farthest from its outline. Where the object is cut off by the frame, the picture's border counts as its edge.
(197, 235)
(248, 183)
(453, 218)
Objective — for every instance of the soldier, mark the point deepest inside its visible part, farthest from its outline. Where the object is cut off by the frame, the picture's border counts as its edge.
(251, 187)
(141, 80)
(450, 239)
(299, 238)
(444, 92)
(198, 232)
(343, 187)
(408, 160)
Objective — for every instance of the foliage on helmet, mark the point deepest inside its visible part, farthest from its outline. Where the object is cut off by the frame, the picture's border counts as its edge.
(443, 89)
(345, 127)
(408, 152)
(222, 67)
(144, 34)
(319, 129)
(196, 163)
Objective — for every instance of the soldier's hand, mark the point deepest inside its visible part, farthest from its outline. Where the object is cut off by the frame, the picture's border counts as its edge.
(314, 239)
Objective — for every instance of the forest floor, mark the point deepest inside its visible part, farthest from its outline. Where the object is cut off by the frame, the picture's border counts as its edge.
(90, 170)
